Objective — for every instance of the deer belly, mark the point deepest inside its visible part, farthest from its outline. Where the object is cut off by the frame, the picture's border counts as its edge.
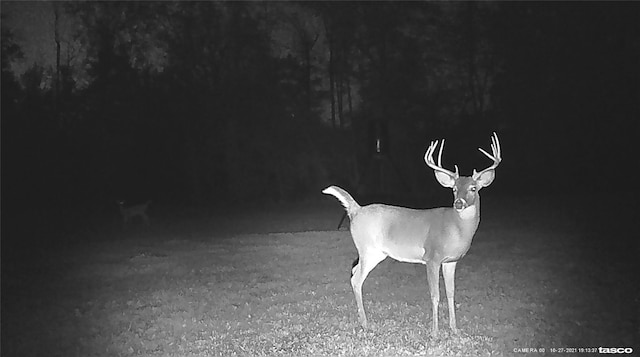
(403, 240)
(405, 253)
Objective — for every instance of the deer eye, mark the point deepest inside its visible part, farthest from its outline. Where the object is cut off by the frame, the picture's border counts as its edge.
(455, 189)
(472, 189)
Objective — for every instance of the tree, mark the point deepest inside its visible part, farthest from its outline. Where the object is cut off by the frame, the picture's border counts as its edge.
(9, 52)
(306, 26)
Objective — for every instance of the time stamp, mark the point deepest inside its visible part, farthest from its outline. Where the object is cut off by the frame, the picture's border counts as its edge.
(604, 350)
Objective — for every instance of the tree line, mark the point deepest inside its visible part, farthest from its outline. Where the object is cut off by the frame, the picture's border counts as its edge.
(223, 102)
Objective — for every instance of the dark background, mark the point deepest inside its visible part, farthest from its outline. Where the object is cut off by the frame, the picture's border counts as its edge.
(200, 104)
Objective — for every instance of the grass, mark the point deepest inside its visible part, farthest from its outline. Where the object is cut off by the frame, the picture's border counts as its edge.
(276, 282)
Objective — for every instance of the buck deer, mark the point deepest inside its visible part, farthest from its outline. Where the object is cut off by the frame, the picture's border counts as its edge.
(130, 212)
(433, 237)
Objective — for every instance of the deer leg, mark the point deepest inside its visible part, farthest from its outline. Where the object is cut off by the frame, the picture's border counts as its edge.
(367, 261)
(433, 278)
(449, 273)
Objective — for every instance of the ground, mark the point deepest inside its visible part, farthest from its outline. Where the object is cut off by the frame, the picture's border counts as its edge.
(541, 274)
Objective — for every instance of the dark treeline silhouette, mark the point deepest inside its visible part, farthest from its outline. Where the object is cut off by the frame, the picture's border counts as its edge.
(223, 103)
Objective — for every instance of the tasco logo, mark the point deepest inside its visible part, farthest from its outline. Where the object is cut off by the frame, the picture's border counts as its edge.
(627, 350)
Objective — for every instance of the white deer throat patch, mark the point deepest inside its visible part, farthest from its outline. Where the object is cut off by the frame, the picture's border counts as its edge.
(467, 213)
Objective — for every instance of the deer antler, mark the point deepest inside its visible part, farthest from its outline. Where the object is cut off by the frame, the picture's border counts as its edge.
(495, 149)
(428, 158)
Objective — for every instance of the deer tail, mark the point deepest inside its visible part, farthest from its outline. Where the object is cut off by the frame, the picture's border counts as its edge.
(345, 198)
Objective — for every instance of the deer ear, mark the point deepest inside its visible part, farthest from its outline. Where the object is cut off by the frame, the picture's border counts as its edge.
(485, 178)
(444, 179)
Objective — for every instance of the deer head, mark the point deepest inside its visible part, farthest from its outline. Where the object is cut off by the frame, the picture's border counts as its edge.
(465, 188)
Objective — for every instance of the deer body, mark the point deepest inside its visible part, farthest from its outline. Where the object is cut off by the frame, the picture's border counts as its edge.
(436, 237)
(414, 236)
(130, 212)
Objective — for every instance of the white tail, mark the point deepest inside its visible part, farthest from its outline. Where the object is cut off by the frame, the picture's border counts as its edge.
(434, 237)
(128, 213)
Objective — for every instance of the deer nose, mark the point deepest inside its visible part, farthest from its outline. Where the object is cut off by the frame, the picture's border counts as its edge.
(459, 204)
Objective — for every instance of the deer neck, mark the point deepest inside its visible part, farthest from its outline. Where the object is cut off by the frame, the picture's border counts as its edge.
(470, 216)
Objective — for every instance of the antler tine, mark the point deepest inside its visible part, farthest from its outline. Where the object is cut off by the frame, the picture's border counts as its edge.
(428, 158)
(495, 149)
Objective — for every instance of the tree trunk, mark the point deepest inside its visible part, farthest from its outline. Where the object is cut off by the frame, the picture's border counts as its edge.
(332, 87)
(56, 36)
(307, 82)
(307, 59)
(349, 100)
(472, 53)
(339, 95)
(327, 27)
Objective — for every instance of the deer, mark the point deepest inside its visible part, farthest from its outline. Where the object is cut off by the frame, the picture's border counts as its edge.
(436, 237)
(130, 212)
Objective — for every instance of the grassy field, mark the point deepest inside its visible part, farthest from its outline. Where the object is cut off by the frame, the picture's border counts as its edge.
(276, 282)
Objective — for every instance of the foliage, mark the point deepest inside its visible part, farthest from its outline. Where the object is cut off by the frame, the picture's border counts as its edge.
(222, 102)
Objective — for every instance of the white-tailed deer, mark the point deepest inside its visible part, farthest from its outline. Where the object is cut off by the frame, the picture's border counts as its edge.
(128, 213)
(433, 237)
